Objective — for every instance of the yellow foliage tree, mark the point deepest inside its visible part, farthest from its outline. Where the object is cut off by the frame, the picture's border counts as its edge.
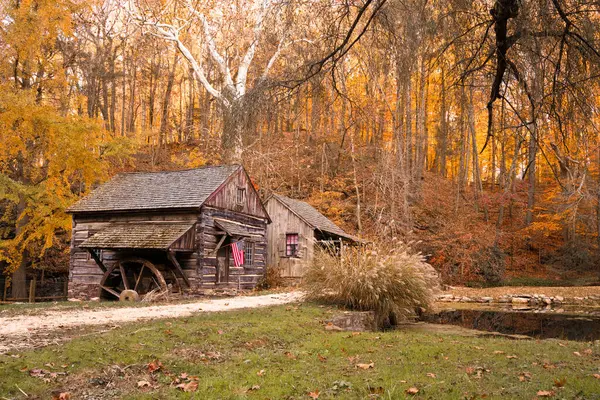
(46, 162)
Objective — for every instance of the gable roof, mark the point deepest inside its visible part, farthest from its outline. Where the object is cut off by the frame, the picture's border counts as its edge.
(313, 217)
(156, 190)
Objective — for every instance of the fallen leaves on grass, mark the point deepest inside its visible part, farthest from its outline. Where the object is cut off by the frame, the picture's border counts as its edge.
(254, 388)
(142, 384)
(597, 376)
(412, 391)
(431, 375)
(61, 395)
(191, 386)
(365, 366)
(154, 366)
(476, 371)
(545, 393)
(578, 354)
(289, 355)
(314, 395)
(322, 358)
(261, 372)
(498, 352)
(560, 382)
(525, 376)
(43, 374)
(511, 357)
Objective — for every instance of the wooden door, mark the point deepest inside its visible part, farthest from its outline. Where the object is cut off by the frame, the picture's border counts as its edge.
(223, 265)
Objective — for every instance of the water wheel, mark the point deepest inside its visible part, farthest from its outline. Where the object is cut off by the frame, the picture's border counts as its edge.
(131, 278)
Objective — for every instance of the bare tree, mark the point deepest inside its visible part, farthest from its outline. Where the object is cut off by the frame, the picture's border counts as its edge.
(231, 88)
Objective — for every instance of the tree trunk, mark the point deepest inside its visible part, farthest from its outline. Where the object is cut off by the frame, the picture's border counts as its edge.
(19, 276)
(477, 184)
(442, 145)
(164, 121)
(234, 122)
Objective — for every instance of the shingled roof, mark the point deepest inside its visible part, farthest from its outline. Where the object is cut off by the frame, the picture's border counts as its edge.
(312, 217)
(156, 190)
(137, 236)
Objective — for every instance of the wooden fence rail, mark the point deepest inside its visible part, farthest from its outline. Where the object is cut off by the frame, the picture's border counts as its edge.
(37, 291)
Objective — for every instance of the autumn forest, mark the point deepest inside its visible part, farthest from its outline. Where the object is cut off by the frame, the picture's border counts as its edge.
(468, 128)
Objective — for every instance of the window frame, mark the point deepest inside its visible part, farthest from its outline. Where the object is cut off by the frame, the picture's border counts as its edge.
(249, 248)
(292, 248)
(240, 197)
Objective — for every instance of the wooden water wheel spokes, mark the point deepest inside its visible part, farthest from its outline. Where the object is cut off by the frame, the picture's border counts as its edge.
(130, 278)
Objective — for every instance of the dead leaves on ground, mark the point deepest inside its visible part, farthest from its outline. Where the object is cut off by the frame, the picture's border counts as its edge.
(190, 386)
(58, 395)
(412, 391)
(154, 366)
(365, 366)
(43, 374)
(525, 376)
(545, 393)
(477, 372)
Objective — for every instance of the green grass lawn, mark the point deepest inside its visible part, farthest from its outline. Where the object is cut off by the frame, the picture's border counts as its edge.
(285, 353)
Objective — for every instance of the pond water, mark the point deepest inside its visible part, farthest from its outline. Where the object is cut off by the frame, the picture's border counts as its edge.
(581, 324)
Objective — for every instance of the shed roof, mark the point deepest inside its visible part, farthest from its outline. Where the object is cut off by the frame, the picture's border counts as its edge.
(156, 190)
(233, 228)
(312, 217)
(137, 236)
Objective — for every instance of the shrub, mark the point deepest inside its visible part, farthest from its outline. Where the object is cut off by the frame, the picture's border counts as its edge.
(391, 280)
(271, 279)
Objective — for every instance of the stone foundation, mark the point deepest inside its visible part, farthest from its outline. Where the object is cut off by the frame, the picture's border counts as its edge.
(83, 291)
(523, 299)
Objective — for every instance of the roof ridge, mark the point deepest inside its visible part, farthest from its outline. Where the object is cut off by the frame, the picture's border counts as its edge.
(177, 170)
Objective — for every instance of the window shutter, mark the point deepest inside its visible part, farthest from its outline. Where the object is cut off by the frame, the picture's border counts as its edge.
(302, 245)
(281, 245)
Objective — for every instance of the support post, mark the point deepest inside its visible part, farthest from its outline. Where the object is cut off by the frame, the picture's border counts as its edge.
(32, 291)
(97, 259)
(173, 259)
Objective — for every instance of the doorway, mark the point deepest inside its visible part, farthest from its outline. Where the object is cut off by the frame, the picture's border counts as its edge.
(223, 262)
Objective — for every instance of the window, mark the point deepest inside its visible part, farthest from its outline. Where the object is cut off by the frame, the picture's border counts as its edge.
(241, 195)
(248, 253)
(291, 245)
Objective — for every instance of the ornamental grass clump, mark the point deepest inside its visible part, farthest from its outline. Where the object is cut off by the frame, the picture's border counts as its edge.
(393, 281)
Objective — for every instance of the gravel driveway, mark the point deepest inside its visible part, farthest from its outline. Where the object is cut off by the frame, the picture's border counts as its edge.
(21, 331)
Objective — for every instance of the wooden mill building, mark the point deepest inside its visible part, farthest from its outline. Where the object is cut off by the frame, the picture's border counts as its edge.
(295, 230)
(149, 231)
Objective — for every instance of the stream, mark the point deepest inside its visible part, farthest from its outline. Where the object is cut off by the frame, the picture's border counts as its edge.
(568, 323)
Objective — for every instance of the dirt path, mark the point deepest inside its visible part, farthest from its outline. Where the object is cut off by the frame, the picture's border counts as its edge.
(24, 330)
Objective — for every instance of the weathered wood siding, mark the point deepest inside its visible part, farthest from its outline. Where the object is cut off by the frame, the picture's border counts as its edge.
(226, 196)
(283, 222)
(85, 274)
(244, 277)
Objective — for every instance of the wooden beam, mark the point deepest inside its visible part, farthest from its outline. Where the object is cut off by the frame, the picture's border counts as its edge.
(173, 259)
(214, 252)
(97, 259)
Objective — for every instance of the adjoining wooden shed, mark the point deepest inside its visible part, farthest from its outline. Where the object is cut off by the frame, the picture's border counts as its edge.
(295, 230)
(150, 231)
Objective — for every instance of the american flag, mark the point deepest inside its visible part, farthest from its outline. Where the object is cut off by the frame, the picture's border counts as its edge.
(238, 253)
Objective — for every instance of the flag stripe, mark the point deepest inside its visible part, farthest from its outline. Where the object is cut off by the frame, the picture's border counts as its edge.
(238, 253)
